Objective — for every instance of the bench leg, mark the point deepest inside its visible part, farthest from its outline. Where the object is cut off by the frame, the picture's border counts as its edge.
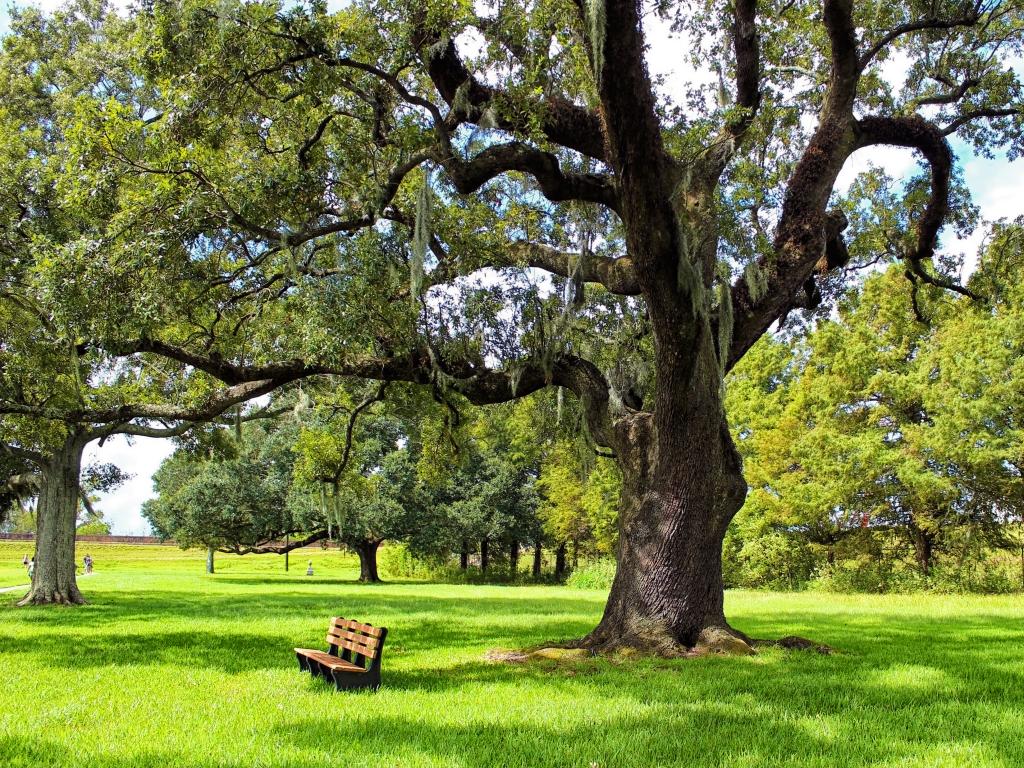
(303, 663)
(351, 681)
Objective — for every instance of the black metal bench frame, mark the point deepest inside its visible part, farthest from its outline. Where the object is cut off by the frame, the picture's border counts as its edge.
(362, 670)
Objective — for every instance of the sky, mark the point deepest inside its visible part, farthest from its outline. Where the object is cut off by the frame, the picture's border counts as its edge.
(996, 186)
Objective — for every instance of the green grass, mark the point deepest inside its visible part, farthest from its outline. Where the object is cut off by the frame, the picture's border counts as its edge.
(170, 667)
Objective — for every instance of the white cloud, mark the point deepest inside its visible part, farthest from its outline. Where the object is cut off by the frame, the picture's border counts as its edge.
(142, 457)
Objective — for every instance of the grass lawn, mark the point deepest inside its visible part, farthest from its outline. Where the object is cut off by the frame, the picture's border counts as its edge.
(170, 667)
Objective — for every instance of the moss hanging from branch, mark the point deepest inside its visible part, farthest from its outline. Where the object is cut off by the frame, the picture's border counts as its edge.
(756, 280)
(691, 283)
(515, 376)
(338, 520)
(725, 321)
(301, 404)
(461, 104)
(421, 235)
(597, 21)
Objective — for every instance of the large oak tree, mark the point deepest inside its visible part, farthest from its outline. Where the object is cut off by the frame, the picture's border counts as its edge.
(310, 159)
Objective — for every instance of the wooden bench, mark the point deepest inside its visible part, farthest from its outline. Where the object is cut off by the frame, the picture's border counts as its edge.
(352, 658)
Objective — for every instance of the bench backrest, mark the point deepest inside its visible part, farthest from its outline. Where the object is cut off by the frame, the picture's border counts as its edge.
(352, 638)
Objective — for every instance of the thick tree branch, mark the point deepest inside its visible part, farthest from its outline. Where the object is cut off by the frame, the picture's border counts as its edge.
(563, 122)
(615, 36)
(22, 453)
(916, 133)
(617, 275)
(479, 384)
(980, 114)
(838, 17)
(120, 415)
(469, 175)
(806, 234)
(748, 80)
(748, 63)
(267, 548)
(779, 281)
(797, 260)
(23, 485)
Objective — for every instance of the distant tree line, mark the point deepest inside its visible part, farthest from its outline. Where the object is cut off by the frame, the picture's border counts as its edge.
(361, 469)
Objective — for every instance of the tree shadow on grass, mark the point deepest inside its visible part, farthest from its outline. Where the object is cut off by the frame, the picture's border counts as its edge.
(716, 731)
(903, 686)
(239, 632)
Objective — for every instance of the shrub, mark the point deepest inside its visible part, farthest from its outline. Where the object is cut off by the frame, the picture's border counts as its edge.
(395, 561)
(593, 574)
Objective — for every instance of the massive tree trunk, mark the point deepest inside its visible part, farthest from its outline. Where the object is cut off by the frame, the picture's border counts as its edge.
(682, 485)
(367, 551)
(209, 560)
(53, 580)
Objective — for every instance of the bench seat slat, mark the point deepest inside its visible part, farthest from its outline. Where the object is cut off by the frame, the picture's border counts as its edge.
(331, 662)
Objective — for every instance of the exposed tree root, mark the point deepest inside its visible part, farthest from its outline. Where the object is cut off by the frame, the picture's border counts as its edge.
(718, 640)
(52, 597)
(723, 640)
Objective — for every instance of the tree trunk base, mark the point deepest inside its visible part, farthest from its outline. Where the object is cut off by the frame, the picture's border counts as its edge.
(52, 597)
(716, 640)
(720, 640)
(656, 640)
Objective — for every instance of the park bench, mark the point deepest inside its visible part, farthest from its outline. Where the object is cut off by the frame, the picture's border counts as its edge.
(352, 658)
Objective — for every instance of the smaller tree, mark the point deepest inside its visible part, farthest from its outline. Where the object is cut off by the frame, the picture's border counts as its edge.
(238, 498)
(363, 473)
(897, 420)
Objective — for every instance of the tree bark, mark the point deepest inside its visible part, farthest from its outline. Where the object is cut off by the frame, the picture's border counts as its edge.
(53, 580)
(464, 555)
(209, 560)
(682, 485)
(367, 551)
(537, 559)
(560, 561)
(513, 559)
(483, 556)
(924, 548)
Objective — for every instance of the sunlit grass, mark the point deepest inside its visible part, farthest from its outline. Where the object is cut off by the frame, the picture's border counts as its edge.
(170, 667)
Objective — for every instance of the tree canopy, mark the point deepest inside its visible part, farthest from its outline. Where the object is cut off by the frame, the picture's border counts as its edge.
(490, 201)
